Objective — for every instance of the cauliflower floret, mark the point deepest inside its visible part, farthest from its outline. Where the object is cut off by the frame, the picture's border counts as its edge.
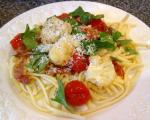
(53, 29)
(62, 50)
(100, 72)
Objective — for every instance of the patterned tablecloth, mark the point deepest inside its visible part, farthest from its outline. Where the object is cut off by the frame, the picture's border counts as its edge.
(11, 8)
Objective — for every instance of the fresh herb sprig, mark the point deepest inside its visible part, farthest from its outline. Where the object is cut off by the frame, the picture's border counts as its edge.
(105, 42)
(109, 42)
(39, 58)
(37, 62)
(74, 24)
(60, 96)
(29, 38)
(85, 17)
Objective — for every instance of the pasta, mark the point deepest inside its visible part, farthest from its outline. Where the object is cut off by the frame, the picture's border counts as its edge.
(107, 73)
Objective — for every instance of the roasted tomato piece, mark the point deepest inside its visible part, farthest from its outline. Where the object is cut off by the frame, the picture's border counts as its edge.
(118, 69)
(79, 63)
(16, 42)
(98, 24)
(76, 93)
(63, 16)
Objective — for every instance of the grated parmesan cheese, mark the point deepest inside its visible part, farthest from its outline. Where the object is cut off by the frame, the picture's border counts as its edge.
(43, 59)
(43, 48)
(79, 37)
(80, 51)
(91, 49)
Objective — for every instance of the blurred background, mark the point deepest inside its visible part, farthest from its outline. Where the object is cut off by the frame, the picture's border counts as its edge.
(11, 8)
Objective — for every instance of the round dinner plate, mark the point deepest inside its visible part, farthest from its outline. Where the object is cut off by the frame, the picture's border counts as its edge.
(136, 106)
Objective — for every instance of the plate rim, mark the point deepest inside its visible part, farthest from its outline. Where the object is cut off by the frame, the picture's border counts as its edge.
(8, 23)
(95, 2)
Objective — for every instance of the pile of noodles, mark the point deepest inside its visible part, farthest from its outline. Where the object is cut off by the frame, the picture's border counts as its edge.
(43, 88)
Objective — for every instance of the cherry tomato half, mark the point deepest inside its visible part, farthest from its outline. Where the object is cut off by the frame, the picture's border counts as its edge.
(98, 24)
(16, 42)
(118, 69)
(76, 93)
(79, 63)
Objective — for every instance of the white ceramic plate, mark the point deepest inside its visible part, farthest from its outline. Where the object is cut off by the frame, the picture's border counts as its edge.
(136, 106)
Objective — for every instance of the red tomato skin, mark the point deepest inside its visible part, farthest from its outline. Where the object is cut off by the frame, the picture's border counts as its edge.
(16, 42)
(76, 93)
(79, 63)
(63, 16)
(99, 25)
(118, 69)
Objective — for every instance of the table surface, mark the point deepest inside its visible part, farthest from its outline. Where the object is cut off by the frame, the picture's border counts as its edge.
(11, 8)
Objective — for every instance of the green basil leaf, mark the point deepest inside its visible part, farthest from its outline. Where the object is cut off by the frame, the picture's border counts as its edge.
(74, 24)
(38, 62)
(131, 51)
(98, 16)
(92, 46)
(72, 21)
(102, 34)
(28, 38)
(107, 45)
(116, 35)
(77, 12)
(104, 37)
(43, 61)
(124, 42)
(86, 17)
(105, 42)
(33, 60)
(60, 96)
(108, 39)
(76, 30)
